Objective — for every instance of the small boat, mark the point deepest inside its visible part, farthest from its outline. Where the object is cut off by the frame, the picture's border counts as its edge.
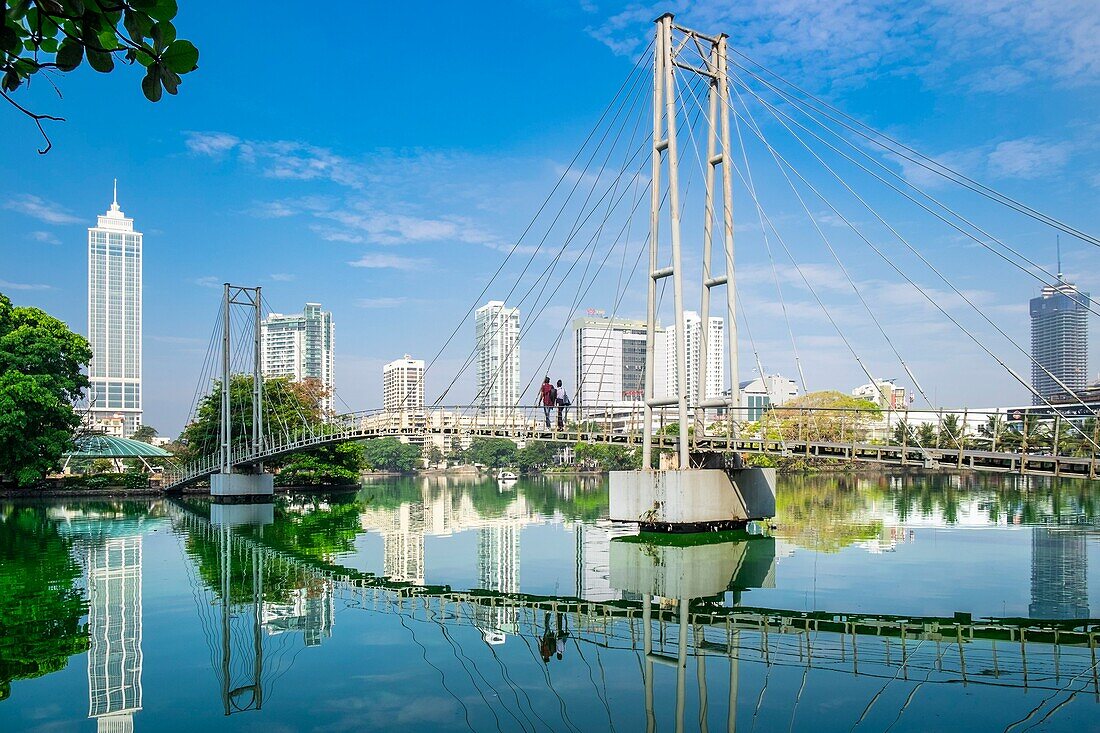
(503, 475)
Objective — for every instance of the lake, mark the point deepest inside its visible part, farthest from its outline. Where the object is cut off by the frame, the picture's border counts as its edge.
(879, 603)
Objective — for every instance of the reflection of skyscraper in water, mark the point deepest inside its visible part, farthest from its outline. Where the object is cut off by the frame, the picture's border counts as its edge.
(1059, 573)
(114, 629)
(403, 544)
(593, 552)
(498, 570)
(311, 610)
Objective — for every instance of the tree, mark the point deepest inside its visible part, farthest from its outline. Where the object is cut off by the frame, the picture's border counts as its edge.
(492, 452)
(145, 434)
(390, 454)
(824, 416)
(607, 457)
(338, 463)
(951, 432)
(434, 455)
(41, 605)
(40, 378)
(535, 454)
(57, 35)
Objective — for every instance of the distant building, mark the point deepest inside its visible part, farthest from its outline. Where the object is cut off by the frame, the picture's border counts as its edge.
(114, 320)
(1059, 340)
(1059, 573)
(884, 393)
(758, 394)
(716, 358)
(496, 328)
(609, 361)
(403, 385)
(300, 346)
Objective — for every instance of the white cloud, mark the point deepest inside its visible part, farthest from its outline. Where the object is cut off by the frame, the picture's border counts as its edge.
(387, 261)
(1028, 158)
(24, 286)
(381, 302)
(40, 208)
(45, 237)
(209, 281)
(213, 144)
(282, 277)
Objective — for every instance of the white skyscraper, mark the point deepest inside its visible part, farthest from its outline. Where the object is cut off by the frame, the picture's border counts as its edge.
(497, 356)
(403, 385)
(114, 320)
(609, 361)
(300, 346)
(114, 633)
(716, 357)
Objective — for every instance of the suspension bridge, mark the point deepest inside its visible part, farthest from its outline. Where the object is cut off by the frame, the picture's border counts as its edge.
(788, 155)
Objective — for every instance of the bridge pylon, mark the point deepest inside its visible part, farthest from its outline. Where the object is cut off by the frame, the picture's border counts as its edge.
(701, 491)
(229, 481)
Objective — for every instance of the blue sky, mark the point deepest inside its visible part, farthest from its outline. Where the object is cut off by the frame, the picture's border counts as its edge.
(383, 163)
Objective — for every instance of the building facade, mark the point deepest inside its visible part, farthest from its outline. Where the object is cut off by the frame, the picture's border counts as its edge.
(1059, 340)
(114, 632)
(114, 321)
(496, 329)
(403, 385)
(884, 393)
(609, 361)
(760, 393)
(301, 346)
(716, 358)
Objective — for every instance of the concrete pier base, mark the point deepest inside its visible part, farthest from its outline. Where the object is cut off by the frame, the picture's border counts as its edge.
(242, 484)
(692, 500)
(238, 514)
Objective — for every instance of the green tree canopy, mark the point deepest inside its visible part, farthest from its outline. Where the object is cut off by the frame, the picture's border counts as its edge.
(536, 454)
(40, 378)
(390, 454)
(145, 434)
(827, 415)
(492, 452)
(57, 35)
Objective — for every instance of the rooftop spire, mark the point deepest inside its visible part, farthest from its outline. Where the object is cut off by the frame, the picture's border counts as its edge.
(114, 203)
(1058, 247)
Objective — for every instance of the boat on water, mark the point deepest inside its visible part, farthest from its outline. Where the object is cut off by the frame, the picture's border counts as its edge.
(503, 475)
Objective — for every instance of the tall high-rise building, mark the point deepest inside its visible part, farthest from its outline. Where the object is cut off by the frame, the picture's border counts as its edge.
(496, 329)
(609, 361)
(300, 346)
(403, 385)
(716, 358)
(1059, 340)
(114, 633)
(498, 570)
(1059, 573)
(114, 320)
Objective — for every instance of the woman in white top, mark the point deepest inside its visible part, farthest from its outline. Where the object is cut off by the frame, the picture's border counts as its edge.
(563, 405)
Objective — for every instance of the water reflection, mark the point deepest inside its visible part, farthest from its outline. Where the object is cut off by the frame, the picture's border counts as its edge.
(646, 630)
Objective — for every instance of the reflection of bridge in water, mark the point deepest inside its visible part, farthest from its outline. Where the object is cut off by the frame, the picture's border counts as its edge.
(676, 603)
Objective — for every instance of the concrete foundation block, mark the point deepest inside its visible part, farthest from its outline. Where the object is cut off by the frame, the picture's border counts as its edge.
(242, 484)
(237, 514)
(692, 500)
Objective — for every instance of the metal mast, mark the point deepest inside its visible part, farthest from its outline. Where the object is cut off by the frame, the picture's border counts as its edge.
(670, 40)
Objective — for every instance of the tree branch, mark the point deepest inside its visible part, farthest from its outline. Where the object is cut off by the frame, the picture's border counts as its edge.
(37, 121)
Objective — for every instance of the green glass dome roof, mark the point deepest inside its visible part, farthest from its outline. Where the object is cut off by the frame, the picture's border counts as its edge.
(106, 446)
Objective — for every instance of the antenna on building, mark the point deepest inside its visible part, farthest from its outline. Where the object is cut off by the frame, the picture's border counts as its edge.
(1058, 249)
(114, 203)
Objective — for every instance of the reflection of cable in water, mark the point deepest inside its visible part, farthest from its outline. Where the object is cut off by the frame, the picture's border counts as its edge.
(442, 677)
(546, 676)
(874, 699)
(454, 651)
(913, 692)
(592, 679)
(760, 697)
(603, 679)
(1048, 698)
(516, 689)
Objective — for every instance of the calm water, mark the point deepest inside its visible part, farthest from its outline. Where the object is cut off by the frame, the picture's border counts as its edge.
(522, 609)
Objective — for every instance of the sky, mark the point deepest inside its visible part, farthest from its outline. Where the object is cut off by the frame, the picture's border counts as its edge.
(387, 162)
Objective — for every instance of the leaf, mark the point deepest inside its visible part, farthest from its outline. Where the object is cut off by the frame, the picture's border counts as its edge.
(143, 5)
(163, 10)
(163, 35)
(69, 55)
(49, 45)
(11, 81)
(9, 39)
(171, 81)
(150, 85)
(181, 57)
(101, 61)
(107, 39)
(73, 7)
(132, 24)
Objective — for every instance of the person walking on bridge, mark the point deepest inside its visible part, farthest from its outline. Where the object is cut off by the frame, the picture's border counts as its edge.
(548, 396)
(563, 404)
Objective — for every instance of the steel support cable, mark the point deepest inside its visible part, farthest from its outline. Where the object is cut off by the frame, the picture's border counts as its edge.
(645, 243)
(874, 136)
(832, 251)
(534, 253)
(1086, 302)
(545, 271)
(924, 260)
(621, 287)
(565, 173)
(206, 374)
(710, 215)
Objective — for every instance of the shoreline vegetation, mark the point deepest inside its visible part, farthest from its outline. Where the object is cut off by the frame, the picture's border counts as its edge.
(126, 487)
